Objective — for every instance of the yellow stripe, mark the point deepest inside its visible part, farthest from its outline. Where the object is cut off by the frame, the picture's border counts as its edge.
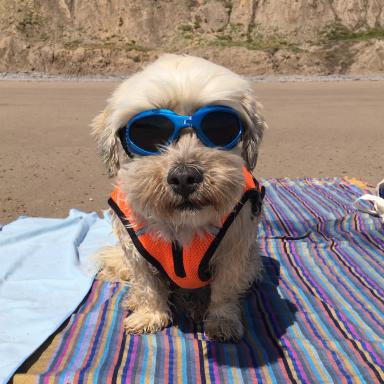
(308, 348)
(79, 328)
(235, 371)
(206, 367)
(124, 358)
(356, 182)
(149, 339)
(360, 347)
(287, 358)
(341, 325)
(179, 358)
(320, 330)
(358, 295)
(340, 300)
(299, 272)
(103, 334)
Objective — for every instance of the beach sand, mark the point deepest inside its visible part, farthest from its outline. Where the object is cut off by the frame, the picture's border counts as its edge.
(48, 161)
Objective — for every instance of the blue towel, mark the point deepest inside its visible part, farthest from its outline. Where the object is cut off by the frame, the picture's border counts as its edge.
(44, 275)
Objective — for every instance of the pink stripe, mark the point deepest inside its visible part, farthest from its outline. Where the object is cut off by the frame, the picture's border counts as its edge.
(328, 301)
(87, 339)
(74, 326)
(214, 363)
(291, 351)
(317, 340)
(319, 294)
(117, 350)
(131, 363)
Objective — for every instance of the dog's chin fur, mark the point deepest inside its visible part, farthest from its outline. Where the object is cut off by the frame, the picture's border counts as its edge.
(144, 181)
(183, 84)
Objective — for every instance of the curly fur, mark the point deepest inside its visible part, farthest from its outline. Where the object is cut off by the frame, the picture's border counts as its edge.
(183, 84)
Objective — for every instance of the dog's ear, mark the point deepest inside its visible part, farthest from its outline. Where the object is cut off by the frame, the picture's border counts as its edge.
(253, 131)
(107, 142)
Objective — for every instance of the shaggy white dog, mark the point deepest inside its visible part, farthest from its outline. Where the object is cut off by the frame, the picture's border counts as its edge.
(182, 194)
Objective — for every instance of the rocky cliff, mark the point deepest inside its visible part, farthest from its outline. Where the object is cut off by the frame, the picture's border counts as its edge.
(251, 36)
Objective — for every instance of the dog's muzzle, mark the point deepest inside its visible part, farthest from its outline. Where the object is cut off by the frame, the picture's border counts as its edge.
(184, 180)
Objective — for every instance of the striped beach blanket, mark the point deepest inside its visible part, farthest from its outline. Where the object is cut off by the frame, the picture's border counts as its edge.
(316, 317)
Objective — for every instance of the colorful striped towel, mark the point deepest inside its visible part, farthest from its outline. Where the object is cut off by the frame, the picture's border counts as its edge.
(317, 316)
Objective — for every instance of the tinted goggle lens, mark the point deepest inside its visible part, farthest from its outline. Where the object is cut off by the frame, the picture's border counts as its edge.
(149, 133)
(220, 128)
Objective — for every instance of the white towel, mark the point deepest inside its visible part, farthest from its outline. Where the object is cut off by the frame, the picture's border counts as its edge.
(43, 279)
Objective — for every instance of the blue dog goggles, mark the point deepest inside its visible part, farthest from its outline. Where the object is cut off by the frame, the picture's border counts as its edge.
(215, 126)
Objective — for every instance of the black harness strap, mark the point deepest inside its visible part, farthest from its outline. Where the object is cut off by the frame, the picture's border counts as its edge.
(254, 195)
(137, 243)
(178, 261)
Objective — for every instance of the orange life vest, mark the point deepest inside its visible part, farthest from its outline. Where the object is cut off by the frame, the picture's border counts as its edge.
(187, 267)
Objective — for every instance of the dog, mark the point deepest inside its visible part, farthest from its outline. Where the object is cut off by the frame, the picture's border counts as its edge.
(179, 139)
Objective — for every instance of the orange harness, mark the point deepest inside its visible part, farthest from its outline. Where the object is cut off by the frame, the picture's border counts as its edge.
(187, 267)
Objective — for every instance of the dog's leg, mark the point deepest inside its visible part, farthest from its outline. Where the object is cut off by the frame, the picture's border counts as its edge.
(147, 299)
(223, 320)
(149, 304)
(111, 262)
(236, 266)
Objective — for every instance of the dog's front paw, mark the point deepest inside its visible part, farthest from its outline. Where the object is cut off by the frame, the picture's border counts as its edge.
(224, 328)
(146, 322)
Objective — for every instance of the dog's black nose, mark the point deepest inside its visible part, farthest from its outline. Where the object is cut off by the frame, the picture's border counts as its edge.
(184, 179)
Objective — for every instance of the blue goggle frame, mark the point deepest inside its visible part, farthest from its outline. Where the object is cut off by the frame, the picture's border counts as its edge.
(179, 122)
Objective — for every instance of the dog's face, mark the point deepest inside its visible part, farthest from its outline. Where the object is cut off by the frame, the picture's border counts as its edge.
(157, 186)
(186, 185)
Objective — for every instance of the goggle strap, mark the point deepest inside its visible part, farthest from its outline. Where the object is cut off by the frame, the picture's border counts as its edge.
(123, 143)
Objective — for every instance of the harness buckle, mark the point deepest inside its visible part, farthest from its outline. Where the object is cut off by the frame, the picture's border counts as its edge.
(188, 121)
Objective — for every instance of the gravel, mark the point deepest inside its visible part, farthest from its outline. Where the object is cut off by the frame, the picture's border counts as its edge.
(38, 76)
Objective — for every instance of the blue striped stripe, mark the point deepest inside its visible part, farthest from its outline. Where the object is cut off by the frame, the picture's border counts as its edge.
(87, 365)
(142, 376)
(112, 334)
(87, 329)
(130, 356)
(153, 361)
(317, 314)
(317, 321)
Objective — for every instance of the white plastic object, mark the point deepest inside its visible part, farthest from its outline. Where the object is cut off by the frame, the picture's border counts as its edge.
(378, 207)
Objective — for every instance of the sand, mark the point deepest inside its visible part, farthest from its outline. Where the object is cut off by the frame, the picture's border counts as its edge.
(48, 162)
